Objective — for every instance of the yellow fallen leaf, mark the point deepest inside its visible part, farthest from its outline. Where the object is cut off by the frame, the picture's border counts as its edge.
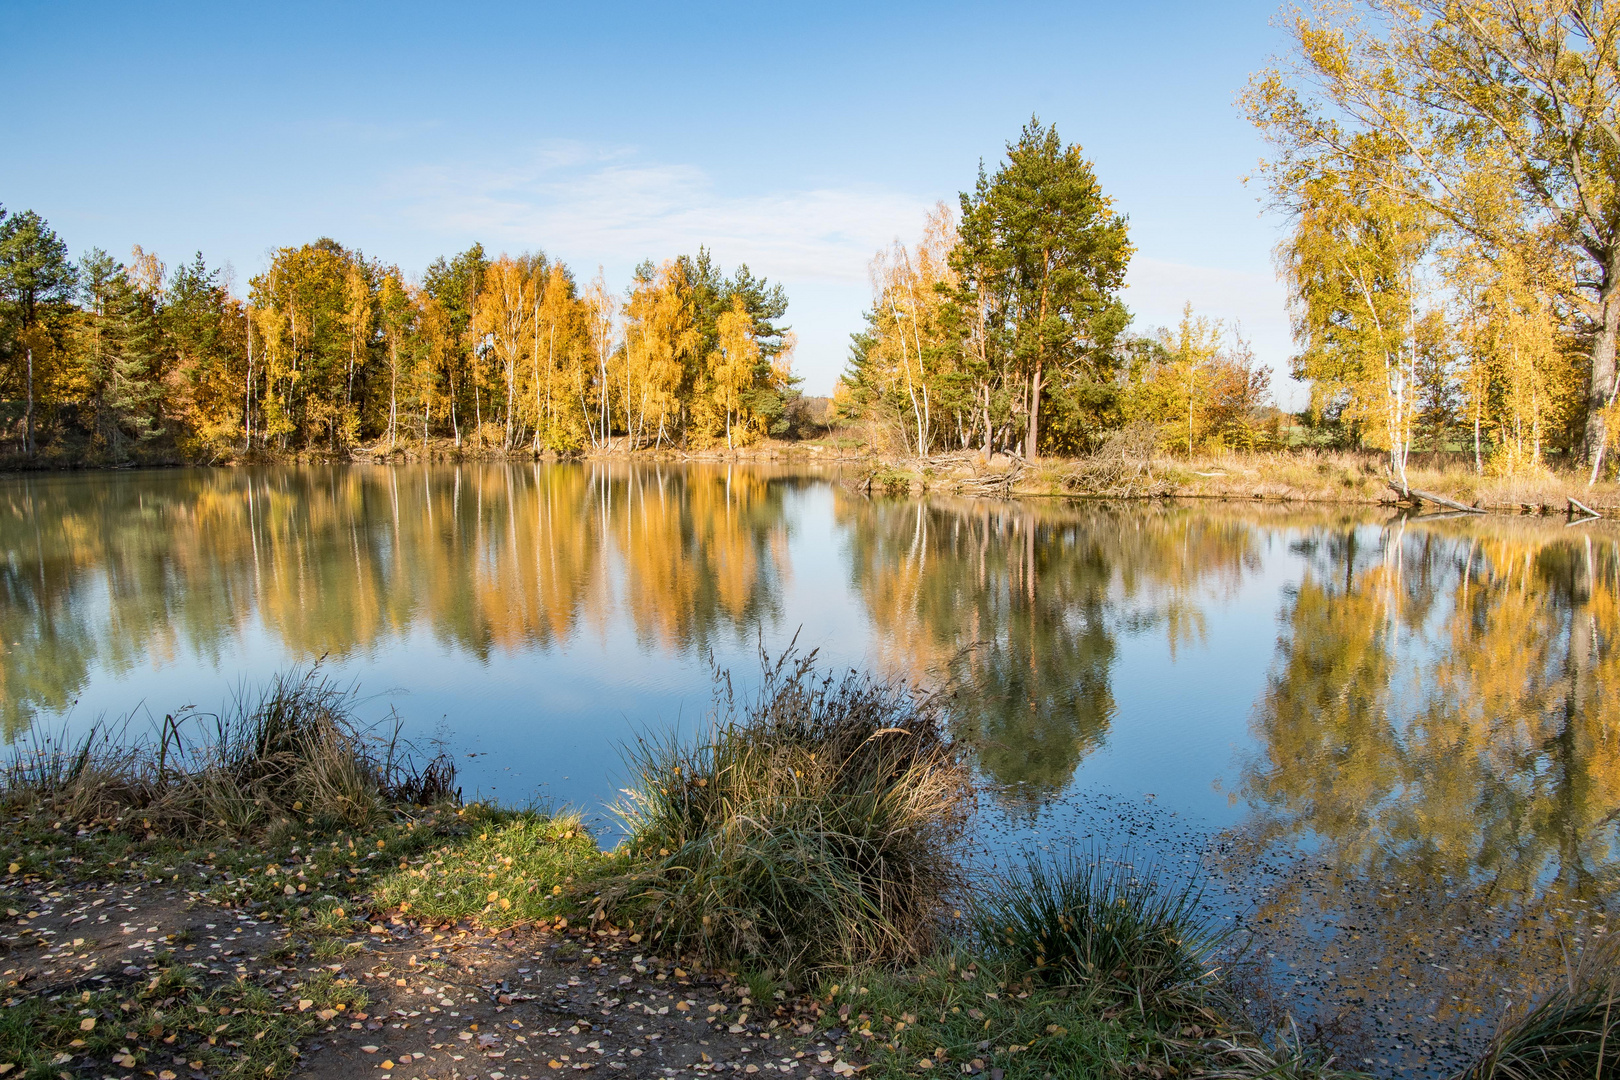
(553, 1064)
(8, 1066)
(12, 869)
(87, 1024)
(326, 1014)
(386, 1064)
(304, 1004)
(494, 896)
(167, 1074)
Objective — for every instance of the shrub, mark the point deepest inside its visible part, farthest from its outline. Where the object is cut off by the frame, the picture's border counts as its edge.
(815, 825)
(1100, 924)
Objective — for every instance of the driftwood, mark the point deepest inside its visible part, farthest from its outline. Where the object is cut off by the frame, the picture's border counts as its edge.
(1576, 504)
(1414, 495)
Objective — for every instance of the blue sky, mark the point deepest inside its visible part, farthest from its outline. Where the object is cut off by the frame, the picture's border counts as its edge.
(796, 138)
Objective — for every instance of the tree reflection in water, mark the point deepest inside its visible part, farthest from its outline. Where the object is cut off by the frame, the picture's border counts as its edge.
(1019, 607)
(1440, 728)
(1442, 731)
(105, 573)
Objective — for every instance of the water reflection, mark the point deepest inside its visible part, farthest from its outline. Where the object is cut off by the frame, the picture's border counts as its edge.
(107, 573)
(1442, 728)
(1435, 738)
(1020, 607)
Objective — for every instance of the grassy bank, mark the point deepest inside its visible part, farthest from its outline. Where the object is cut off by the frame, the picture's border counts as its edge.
(1286, 476)
(802, 857)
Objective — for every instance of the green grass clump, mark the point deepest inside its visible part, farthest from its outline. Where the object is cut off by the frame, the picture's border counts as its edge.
(1573, 1032)
(508, 867)
(1101, 925)
(813, 826)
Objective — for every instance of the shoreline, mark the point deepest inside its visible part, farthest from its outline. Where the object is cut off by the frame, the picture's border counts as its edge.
(1307, 477)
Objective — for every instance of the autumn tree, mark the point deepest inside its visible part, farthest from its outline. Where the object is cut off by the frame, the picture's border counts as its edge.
(331, 350)
(206, 336)
(455, 285)
(907, 365)
(502, 318)
(1354, 264)
(36, 286)
(659, 339)
(1501, 121)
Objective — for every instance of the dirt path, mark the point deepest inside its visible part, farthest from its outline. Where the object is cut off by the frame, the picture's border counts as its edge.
(445, 1004)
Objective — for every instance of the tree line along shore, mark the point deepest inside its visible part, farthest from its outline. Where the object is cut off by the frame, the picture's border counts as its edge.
(1445, 174)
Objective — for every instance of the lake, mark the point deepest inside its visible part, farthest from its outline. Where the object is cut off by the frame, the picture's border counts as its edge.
(1393, 744)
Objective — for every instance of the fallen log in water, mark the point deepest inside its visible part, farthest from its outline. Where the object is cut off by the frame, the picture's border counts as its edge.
(1576, 504)
(1414, 495)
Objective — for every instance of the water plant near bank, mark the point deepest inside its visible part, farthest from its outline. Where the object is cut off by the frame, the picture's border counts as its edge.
(1098, 923)
(813, 824)
(291, 752)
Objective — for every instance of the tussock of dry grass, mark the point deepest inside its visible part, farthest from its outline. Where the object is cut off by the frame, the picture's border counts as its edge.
(293, 752)
(1571, 1034)
(813, 825)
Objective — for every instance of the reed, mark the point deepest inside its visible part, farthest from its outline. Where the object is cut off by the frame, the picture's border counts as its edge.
(814, 825)
(1572, 1032)
(292, 751)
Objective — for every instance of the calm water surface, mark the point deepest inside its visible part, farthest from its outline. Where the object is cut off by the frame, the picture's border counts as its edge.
(1395, 743)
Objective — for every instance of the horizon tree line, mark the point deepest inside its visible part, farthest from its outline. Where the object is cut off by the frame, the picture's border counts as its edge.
(331, 349)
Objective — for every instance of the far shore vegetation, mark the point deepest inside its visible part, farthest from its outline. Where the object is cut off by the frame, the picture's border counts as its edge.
(1446, 174)
(806, 846)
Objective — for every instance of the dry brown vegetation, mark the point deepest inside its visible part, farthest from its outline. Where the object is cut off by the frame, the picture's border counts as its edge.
(292, 753)
(814, 825)
(1127, 467)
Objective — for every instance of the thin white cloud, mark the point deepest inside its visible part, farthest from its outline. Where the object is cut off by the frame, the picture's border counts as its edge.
(606, 205)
